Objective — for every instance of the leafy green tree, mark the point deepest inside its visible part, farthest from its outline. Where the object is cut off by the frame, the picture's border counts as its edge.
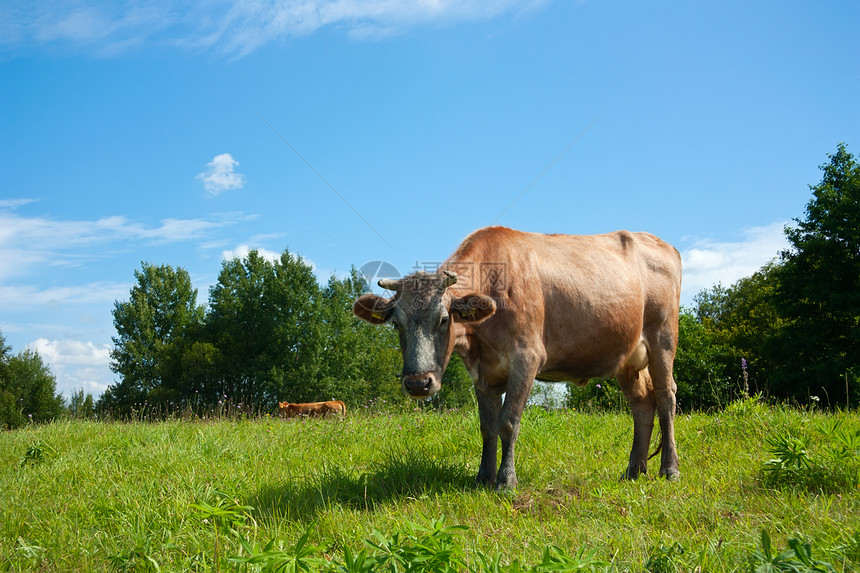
(734, 325)
(27, 389)
(818, 296)
(264, 321)
(701, 364)
(81, 404)
(5, 353)
(296, 349)
(161, 309)
(10, 416)
(241, 324)
(194, 364)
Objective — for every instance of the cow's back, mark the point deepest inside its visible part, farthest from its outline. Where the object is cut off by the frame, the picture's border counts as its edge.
(585, 299)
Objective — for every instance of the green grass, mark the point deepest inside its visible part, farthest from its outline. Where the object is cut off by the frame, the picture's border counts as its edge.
(93, 496)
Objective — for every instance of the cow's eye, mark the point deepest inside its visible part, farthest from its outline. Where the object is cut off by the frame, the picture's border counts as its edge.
(443, 322)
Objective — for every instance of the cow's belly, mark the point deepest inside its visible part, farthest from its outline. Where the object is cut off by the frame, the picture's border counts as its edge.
(562, 377)
(579, 368)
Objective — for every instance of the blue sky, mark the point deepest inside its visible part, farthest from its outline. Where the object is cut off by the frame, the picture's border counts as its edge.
(351, 131)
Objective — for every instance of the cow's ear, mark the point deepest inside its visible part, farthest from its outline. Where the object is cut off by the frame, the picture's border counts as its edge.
(373, 308)
(472, 308)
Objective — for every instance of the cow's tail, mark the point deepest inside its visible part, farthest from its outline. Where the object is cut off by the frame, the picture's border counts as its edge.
(659, 444)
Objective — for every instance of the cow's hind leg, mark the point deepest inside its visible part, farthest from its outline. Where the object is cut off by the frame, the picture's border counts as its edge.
(489, 408)
(638, 390)
(660, 362)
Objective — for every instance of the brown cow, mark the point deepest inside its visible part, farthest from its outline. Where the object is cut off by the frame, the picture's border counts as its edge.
(287, 410)
(523, 306)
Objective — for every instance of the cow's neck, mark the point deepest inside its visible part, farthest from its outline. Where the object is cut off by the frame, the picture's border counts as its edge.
(466, 346)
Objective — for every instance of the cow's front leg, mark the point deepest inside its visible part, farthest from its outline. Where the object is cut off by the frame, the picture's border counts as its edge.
(489, 407)
(518, 390)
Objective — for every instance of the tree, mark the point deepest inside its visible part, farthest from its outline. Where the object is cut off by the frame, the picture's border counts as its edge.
(240, 325)
(81, 405)
(734, 324)
(264, 321)
(27, 389)
(818, 295)
(161, 309)
(702, 363)
(5, 353)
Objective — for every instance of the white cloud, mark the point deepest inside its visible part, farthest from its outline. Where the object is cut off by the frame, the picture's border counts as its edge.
(76, 364)
(708, 262)
(221, 176)
(241, 252)
(235, 27)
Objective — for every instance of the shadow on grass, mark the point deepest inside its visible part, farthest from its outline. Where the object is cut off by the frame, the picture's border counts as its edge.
(397, 477)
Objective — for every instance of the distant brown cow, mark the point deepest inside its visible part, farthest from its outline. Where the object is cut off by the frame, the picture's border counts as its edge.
(523, 306)
(287, 410)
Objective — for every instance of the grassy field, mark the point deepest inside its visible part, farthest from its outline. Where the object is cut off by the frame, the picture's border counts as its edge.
(201, 496)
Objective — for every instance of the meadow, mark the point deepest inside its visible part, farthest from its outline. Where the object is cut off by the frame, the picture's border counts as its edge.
(762, 488)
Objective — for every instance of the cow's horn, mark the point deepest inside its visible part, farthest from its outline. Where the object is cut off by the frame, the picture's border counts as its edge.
(389, 284)
(450, 278)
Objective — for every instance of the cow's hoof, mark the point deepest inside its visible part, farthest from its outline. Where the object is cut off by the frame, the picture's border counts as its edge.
(506, 487)
(631, 474)
(506, 481)
(671, 474)
(484, 481)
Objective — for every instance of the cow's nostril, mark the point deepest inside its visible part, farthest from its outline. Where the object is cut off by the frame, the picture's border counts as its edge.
(418, 384)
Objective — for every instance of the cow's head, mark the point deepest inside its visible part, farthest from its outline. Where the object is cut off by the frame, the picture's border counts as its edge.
(425, 314)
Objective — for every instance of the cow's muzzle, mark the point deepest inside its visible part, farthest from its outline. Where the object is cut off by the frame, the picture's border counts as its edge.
(421, 385)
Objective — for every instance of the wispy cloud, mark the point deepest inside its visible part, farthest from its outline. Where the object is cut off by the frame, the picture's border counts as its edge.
(15, 203)
(233, 27)
(221, 176)
(20, 297)
(77, 354)
(28, 242)
(707, 262)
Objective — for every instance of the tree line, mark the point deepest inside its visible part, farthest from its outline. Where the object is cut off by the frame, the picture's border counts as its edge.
(270, 332)
(791, 330)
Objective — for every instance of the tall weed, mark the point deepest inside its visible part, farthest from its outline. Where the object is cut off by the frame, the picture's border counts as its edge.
(826, 459)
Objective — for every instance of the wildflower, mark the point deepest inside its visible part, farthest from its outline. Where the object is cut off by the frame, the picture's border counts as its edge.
(744, 364)
(599, 386)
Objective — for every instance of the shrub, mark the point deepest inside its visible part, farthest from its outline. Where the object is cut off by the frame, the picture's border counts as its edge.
(825, 461)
